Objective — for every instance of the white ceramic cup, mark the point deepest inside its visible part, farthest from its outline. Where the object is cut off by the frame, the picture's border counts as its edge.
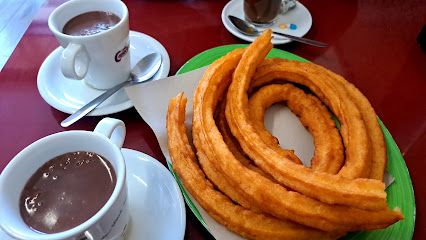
(108, 223)
(101, 59)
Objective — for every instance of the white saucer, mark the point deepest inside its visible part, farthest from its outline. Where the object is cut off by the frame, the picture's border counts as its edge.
(299, 16)
(68, 95)
(157, 209)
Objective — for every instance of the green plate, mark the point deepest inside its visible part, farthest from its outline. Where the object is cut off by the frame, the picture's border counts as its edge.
(400, 192)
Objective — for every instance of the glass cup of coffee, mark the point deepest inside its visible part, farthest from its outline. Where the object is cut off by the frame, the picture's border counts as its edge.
(263, 13)
(69, 185)
(95, 38)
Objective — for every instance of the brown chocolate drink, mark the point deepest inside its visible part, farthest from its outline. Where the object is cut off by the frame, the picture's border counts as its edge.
(66, 191)
(90, 23)
(261, 11)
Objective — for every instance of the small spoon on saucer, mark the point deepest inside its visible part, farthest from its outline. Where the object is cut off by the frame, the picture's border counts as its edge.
(144, 70)
(249, 29)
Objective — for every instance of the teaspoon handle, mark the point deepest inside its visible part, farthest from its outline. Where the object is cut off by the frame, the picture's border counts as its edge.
(302, 40)
(86, 109)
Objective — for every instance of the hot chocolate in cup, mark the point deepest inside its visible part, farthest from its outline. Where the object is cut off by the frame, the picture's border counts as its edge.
(109, 222)
(100, 53)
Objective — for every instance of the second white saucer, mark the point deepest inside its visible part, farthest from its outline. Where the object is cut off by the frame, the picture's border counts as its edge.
(68, 95)
(296, 22)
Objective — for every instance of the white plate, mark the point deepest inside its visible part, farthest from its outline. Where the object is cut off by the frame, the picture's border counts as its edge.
(68, 95)
(299, 16)
(157, 209)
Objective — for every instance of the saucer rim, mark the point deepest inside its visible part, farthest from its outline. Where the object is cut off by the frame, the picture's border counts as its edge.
(110, 108)
(243, 37)
(131, 153)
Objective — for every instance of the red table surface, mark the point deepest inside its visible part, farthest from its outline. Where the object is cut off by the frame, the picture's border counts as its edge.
(372, 44)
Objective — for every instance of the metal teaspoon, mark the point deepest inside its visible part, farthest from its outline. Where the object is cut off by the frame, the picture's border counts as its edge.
(143, 71)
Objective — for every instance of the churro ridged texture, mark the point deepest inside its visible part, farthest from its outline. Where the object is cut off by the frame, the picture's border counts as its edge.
(245, 180)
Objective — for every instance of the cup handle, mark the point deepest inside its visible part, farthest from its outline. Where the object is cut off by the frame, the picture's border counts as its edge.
(75, 61)
(112, 128)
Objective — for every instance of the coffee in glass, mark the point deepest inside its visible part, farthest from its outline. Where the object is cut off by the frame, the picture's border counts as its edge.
(261, 12)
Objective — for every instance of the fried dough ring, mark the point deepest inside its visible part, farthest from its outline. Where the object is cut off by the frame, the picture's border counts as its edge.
(216, 177)
(271, 197)
(376, 139)
(232, 143)
(376, 144)
(328, 156)
(236, 218)
(357, 161)
(207, 162)
(360, 193)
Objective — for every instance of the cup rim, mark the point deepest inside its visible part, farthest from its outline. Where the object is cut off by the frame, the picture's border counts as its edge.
(120, 183)
(55, 31)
